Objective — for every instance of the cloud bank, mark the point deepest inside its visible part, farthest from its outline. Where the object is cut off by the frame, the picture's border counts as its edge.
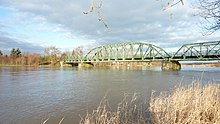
(7, 43)
(138, 20)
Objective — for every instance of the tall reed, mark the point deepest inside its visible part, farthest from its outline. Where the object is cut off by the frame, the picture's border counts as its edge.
(129, 111)
(191, 104)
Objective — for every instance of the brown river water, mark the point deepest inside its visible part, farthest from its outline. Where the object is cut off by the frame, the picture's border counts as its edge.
(29, 95)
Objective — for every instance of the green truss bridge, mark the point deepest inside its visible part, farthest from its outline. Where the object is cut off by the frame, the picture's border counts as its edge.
(142, 52)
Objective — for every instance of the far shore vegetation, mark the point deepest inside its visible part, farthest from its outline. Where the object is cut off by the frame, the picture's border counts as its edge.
(51, 57)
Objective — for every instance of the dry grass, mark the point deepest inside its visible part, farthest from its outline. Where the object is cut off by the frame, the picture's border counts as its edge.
(129, 111)
(193, 104)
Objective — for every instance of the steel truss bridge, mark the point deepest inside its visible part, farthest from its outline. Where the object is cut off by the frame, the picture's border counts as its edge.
(137, 51)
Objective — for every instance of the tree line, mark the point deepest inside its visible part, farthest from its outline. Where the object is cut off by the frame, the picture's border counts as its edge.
(16, 57)
(52, 56)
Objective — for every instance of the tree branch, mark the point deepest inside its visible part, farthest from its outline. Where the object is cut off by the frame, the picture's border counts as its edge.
(94, 8)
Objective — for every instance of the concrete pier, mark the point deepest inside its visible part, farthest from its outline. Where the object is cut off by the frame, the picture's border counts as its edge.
(171, 66)
(165, 65)
(87, 65)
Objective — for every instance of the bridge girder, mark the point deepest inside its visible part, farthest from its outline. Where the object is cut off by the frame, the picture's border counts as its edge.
(127, 52)
(199, 51)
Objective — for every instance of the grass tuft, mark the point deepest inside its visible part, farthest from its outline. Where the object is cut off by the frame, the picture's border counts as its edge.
(192, 104)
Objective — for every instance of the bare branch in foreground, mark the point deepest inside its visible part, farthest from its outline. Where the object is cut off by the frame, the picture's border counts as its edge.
(171, 3)
(95, 8)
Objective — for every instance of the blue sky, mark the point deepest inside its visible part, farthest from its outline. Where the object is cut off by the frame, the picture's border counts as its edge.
(33, 25)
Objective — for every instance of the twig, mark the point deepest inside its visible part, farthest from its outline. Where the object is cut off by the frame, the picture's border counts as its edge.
(45, 121)
(61, 120)
(172, 4)
(94, 8)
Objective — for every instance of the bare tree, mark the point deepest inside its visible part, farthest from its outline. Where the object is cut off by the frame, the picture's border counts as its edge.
(210, 11)
(78, 52)
(53, 54)
(65, 54)
(33, 59)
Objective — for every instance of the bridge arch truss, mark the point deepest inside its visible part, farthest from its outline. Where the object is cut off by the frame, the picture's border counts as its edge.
(131, 51)
(199, 51)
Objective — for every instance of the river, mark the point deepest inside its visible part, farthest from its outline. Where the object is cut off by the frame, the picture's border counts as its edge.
(29, 95)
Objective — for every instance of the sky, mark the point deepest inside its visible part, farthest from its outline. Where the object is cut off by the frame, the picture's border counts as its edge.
(33, 25)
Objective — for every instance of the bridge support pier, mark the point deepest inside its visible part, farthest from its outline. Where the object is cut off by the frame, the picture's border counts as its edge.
(61, 63)
(171, 66)
(85, 64)
(72, 64)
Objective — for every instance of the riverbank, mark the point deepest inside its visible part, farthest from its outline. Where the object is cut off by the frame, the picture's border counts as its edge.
(214, 64)
(184, 104)
(9, 65)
